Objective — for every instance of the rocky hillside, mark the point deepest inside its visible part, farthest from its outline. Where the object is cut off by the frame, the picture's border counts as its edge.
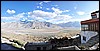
(29, 24)
(75, 24)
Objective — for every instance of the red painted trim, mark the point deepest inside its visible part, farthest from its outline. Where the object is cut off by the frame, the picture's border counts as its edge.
(90, 21)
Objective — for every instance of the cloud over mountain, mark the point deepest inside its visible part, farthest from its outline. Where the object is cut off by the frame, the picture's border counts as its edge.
(10, 11)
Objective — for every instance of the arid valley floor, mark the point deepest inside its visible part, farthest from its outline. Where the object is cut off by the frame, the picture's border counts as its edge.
(31, 35)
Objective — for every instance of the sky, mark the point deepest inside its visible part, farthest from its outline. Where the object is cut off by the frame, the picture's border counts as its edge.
(50, 11)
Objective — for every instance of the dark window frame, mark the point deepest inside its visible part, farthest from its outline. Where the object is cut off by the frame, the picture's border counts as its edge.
(44, 48)
(84, 38)
(38, 48)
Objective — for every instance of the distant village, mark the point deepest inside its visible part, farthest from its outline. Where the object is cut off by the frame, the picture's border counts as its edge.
(88, 39)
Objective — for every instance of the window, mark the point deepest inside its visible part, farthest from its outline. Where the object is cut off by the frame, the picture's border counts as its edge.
(92, 27)
(44, 48)
(38, 48)
(84, 27)
(96, 26)
(94, 15)
(84, 38)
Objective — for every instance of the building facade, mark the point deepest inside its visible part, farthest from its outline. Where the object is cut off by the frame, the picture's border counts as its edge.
(90, 28)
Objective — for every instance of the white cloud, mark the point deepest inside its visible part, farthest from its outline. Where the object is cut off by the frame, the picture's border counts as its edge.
(40, 19)
(51, 16)
(47, 8)
(60, 19)
(29, 13)
(41, 3)
(10, 11)
(7, 18)
(80, 13)
(40, 13)
(72, 14)
(46, 1)
(54, 5)
(37, 6)
(14, 17)
(75, 7)
(66, 10)
(30, 20)
(20, 15)
(23, 19)
(40, 7)
(56, 10)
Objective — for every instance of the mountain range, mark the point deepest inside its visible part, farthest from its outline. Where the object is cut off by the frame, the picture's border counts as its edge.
(39, 25)
(70, 24)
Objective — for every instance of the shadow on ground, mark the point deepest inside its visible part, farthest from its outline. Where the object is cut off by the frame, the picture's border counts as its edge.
(5, 46)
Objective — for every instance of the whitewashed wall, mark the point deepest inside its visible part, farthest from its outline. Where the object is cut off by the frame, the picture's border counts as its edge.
(97, 15)
(88, 35)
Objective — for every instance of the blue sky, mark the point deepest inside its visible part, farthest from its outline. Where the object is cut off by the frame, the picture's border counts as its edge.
(50, 11)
